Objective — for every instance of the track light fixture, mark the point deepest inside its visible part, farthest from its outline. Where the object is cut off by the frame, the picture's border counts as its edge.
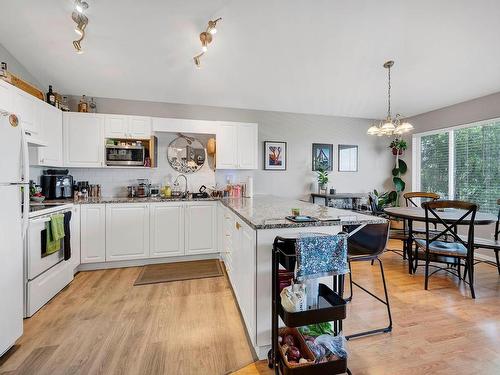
(206, 38)
(81, 21)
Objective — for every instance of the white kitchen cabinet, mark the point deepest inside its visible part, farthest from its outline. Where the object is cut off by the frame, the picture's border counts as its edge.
(52, 134)
(75, 237)
(127, 231)
(201, 227)
(93, 233)
(247, 146)
(26, 109)
(83, 135)
(6, 97)
(237, 145)
(166, 229)
(226, 146)
(131, 127)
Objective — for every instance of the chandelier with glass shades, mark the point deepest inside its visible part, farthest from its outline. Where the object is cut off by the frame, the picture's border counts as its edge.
(390, 126)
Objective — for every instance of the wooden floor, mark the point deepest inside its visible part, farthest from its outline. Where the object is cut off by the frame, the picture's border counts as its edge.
(101, 324)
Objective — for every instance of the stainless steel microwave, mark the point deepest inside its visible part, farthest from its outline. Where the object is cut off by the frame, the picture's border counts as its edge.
(125, 155)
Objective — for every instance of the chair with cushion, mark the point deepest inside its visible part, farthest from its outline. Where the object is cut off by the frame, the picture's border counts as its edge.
(447, 246)
(491, 244)
(412, 199)
(366, 245)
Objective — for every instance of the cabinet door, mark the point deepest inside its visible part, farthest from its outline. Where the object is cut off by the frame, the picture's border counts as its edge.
(127, 231)
(26, 109)
(93, 233)
(6, 97)
(116, 126)
(226, 146)
(83, 140)
(247, 146)
(75, 238)
(167, 229)
(201, 227)
(51, 131)
(139, 127)
(246, 280)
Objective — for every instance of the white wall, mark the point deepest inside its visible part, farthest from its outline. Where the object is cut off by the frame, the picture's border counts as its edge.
(16, 68)
(298, 130)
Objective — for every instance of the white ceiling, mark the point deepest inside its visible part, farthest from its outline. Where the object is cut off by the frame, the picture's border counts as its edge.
(321, 56)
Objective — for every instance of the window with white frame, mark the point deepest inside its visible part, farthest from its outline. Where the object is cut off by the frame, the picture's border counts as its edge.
(461, 162)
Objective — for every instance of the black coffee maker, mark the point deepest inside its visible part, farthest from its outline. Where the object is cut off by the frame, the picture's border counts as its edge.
(56, 184)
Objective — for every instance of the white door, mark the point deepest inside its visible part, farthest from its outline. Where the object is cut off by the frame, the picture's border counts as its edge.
(139, 127)
(83, 140)
(226, 146)
(116, 126)
(247, 146)
(246, 279)
(127, 231)
(75, 237)
(167, 229)
(11, 267)
(201, 227)
(11, 163)
(93, 233)
(51, 131)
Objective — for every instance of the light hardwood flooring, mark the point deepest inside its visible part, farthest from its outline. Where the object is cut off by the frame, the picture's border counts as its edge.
(101, 324)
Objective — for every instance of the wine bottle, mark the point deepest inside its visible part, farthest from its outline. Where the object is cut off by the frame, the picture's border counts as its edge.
(51, 97)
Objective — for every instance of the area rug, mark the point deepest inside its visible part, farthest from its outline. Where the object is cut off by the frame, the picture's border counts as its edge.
(167, 272)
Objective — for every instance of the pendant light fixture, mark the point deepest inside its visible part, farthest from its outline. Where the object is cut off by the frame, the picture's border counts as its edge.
(81, 21)
(206, 38)
(390, 126)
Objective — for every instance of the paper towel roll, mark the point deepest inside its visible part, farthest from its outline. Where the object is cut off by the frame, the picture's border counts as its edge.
(249, 193)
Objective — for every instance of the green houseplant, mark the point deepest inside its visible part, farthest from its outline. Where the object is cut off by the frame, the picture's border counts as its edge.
(398, 146)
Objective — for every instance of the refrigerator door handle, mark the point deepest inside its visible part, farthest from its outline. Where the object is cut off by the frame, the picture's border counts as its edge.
(26, 196)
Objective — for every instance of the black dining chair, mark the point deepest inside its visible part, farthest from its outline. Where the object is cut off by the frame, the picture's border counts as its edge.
(447, 246)
(366, 245)
(491, 244)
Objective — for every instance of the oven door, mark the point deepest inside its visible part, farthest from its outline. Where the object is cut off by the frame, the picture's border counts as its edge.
(37, 261)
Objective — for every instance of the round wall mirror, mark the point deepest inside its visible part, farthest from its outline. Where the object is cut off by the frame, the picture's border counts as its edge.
(186, 154)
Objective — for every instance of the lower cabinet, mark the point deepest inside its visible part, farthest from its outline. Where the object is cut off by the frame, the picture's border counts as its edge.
(201, 228)
(166, 229)
(93, 233)
(127, 231)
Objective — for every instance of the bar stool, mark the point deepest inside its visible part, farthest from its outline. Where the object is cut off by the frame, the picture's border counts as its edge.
(365, 246)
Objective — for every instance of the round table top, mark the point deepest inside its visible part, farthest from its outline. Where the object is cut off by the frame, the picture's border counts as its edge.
(448, 215)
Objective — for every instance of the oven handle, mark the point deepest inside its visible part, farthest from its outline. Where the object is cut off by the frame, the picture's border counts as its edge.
(43, 220)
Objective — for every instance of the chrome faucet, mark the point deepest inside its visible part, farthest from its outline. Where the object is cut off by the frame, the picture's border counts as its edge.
(176, 183)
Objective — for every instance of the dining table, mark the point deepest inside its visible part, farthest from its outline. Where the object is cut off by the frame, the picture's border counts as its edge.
(449, 216)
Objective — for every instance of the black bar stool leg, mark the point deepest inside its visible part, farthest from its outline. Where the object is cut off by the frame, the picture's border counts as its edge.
(498, 260)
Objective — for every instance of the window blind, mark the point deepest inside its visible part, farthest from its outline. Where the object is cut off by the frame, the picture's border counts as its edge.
(477, 165)
(434, 160)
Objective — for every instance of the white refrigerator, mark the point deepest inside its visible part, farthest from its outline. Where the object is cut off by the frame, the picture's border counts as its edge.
(14, 211)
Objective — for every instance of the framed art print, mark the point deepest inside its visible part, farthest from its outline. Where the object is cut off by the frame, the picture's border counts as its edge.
(322, 156)
(275, 156)
(348, 158)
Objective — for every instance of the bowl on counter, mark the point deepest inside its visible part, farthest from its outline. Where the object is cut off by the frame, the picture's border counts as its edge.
(38, 199)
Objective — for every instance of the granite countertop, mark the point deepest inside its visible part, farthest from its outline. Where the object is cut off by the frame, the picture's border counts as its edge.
(130, 200)
(269, 212)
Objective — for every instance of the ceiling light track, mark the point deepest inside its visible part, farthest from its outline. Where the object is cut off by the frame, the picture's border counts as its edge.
(81, 20)
(206, 38)
(390, 126)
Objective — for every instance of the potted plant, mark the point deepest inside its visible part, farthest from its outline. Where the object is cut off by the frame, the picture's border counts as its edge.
(398, 146)
(322, 180)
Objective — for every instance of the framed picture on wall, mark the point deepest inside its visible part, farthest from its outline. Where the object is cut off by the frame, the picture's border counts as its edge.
(275, 156)
(348, 158)
(322, 156)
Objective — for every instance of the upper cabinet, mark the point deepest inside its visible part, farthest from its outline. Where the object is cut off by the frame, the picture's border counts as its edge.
(52, 134)
(83, 135)
(6, 98)
(27, 110)
(237, 145)
(127, 127)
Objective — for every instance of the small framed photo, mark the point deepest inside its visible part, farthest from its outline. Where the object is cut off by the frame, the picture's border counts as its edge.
(275, 156)
(322, 157)
(348, 158)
